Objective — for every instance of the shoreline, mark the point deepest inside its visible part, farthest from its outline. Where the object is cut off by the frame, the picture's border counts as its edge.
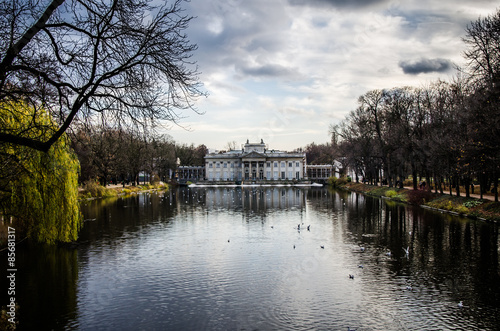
(474, 208)
(110, 191)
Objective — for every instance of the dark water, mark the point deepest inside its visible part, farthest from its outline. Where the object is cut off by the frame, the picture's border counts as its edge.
(224, 259)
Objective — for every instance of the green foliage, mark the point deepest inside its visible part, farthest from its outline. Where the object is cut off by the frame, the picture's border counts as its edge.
(453, 204)
(461, 209)
(39, 189)
(338, 182)
(92, 189)
(332, 181)
(472, 203)
(391, 193)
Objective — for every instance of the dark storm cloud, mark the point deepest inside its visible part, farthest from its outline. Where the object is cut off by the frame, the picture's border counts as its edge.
(415, 67)
(268, 70)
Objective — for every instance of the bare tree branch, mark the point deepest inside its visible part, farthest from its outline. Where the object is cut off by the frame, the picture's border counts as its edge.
(87, 57)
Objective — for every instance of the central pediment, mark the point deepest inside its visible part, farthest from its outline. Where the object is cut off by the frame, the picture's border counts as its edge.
(253, 155)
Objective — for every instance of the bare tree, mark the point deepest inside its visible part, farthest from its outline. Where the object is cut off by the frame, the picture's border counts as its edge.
(78, 58)
(231, 145)
(483, 50)
(483, 55)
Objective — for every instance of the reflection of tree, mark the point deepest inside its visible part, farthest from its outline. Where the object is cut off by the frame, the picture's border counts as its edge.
(446, 253)
(47, 286)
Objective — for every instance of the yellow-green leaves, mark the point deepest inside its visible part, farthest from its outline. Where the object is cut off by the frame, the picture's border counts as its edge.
(39, 189)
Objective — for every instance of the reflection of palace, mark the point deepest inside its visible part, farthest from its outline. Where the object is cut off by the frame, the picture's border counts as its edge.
(257, 200)
(255, 162)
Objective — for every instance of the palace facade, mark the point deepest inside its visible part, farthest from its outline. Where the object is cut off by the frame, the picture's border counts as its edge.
(255, 162)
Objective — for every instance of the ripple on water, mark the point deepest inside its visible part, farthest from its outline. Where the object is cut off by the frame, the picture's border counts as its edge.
(188, 276)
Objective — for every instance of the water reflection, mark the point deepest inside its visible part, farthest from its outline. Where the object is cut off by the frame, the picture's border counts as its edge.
(236, 258)
(46, 286)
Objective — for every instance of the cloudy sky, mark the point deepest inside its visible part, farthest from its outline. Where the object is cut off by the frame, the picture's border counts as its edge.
(284, 70)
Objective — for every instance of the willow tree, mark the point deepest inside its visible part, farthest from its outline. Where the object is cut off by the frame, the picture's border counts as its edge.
(38, 190)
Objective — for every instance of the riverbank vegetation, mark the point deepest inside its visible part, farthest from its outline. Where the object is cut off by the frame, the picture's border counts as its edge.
(92, 189)
(471, 207)
(445, 133)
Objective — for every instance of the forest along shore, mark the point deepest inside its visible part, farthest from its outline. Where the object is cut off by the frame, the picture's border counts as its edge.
(484, 209)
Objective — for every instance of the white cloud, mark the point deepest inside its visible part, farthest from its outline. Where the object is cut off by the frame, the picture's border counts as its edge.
(289, 69)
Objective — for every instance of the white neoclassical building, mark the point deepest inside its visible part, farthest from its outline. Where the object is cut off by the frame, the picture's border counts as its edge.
(255, 162)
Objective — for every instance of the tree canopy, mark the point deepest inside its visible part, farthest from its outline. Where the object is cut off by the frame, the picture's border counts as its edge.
(444, 130)
(78, 58)
(38, 189)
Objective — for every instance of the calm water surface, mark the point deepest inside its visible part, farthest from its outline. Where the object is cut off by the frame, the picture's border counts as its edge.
(235, 259)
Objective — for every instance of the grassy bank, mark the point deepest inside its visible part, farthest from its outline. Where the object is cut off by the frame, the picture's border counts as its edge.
(471, 207)
(92, 190)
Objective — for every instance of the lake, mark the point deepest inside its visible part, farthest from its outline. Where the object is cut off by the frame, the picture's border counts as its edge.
(262, 258)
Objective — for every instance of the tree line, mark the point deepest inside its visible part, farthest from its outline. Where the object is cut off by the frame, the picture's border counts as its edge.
(119, 156)
(444, 132)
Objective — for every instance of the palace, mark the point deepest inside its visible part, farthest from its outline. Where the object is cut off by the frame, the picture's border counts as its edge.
(255, 162)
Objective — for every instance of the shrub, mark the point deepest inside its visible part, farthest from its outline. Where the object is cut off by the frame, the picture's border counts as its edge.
(338, 182)
(96, 190)
(332, 181)
(93, 188)
(343, 180)
(472, 203)
(419, 197)
(461, 209)
(391, 193)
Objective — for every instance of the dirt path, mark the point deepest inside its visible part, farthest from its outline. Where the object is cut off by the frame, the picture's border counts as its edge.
(476, 196)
